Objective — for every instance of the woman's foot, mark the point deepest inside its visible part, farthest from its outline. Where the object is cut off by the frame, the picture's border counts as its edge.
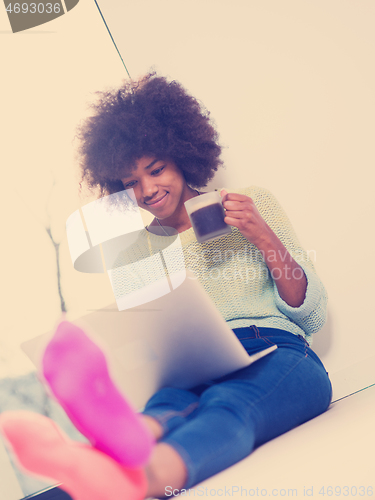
(43, 449)
(77, 373)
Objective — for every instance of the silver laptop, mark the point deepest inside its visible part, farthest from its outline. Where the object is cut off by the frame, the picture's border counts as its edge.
(179, 340)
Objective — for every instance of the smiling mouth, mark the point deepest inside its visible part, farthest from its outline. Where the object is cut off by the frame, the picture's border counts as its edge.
(156, 202)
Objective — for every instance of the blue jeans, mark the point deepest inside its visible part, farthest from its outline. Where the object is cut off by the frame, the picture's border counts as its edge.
(215, 425)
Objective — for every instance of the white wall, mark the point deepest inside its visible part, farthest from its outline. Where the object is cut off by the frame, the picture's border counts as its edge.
(48, 74)
(290, 86)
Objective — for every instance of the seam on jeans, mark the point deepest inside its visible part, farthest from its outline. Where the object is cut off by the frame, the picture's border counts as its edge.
(258, 336)
(305, 343)
(162, 419)
(306, 346)
(255, 328)
(268, 341)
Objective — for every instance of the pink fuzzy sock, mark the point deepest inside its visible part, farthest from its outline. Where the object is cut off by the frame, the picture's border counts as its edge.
(77, 373)
(42, 448)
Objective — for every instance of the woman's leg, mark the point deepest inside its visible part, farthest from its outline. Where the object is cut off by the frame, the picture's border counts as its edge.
(168, 409)
(230, 418)
(43, 449)
(275, 394)
(240, 412)
(77, 373)
(155, 428)
(245, 410)
(165, 468)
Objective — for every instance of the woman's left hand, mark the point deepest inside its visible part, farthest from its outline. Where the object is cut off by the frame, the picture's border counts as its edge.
(241, 212)
(288, 275)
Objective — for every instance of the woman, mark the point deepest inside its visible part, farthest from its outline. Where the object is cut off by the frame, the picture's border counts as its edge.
(153, 137)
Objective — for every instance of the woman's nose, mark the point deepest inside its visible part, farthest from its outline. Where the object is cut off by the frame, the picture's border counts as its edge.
(149, 189)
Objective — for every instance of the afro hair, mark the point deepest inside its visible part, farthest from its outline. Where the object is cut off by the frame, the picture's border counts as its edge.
(149, 117)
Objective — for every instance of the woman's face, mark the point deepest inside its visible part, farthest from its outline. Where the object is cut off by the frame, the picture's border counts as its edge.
(159, 187)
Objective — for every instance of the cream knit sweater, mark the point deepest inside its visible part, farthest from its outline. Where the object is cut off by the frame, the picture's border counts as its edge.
(233, 273)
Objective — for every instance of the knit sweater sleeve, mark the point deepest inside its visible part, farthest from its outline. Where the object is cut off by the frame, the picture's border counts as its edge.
(311, 315)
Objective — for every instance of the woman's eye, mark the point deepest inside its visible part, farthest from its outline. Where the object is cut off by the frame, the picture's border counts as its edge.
(157, 170)
(129, 185)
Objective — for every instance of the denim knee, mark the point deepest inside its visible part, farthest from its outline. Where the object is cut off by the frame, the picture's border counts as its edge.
(230, 397)
(171, 407)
